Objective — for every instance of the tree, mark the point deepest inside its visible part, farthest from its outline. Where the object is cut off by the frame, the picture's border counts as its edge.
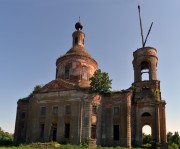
(100, 82)
(173, 139)
(170, 137)
(146, 138)
(176, 138)
(5, 138)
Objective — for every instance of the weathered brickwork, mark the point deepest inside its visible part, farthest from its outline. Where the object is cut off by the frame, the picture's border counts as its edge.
(64, 111)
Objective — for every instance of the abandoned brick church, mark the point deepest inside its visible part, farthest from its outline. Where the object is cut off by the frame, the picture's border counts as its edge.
(64, 111)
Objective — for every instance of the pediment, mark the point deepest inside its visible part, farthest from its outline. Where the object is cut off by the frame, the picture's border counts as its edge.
(57, 85)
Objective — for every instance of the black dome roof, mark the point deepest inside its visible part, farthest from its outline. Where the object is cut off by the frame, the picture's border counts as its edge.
(78, 26)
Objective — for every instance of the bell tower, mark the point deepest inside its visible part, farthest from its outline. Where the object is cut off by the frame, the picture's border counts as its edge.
(148, 108)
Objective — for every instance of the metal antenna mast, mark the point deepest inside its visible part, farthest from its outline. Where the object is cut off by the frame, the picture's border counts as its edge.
(147, 35)
(143, 42)
(141, 25)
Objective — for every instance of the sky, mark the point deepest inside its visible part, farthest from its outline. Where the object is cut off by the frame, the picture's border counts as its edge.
(34, 33)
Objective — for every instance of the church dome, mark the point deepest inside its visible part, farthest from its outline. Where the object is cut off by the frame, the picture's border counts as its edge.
(78, 26)
(77, 65)
(78, 50)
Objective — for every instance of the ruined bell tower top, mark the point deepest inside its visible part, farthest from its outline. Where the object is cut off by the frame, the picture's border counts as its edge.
(145, 62)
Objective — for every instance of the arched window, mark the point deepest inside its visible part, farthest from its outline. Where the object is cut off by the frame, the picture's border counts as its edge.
(145, 71)
(56, 72)
(67, 71)
(146, 114)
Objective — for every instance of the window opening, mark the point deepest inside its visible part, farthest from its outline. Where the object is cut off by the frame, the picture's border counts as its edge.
(56, 72)
(67, 71)
(41, 130)
(144, 71)
(55, 110)
(116, 132)
(116, 110)
(146, 114)
(93, 131)
(94, 109)
(67, 130)
(43, 111)
(67, 109)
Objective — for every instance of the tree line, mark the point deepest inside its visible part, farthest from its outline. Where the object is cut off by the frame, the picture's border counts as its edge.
(173, 140)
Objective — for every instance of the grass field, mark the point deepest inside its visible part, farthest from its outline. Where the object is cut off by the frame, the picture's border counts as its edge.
(60, 147)
(54, 145)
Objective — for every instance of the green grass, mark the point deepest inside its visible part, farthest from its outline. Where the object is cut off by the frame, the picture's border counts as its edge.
(61, 147)
(53, 145)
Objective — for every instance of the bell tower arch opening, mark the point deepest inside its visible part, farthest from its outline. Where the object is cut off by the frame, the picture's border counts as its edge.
(146, 134)
(145, 71)
(147, 123)
(146, 129)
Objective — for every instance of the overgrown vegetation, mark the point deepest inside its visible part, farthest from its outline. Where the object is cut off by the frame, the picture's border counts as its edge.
(37, 87)
(100, 82)
(85, 143)
(146, 138)
(5, 138)
(155, 93)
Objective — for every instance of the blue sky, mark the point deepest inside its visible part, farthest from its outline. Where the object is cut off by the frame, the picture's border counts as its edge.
(34, 33)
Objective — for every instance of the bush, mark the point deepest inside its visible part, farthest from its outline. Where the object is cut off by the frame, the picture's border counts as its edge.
(85, 143)
(173, 146)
